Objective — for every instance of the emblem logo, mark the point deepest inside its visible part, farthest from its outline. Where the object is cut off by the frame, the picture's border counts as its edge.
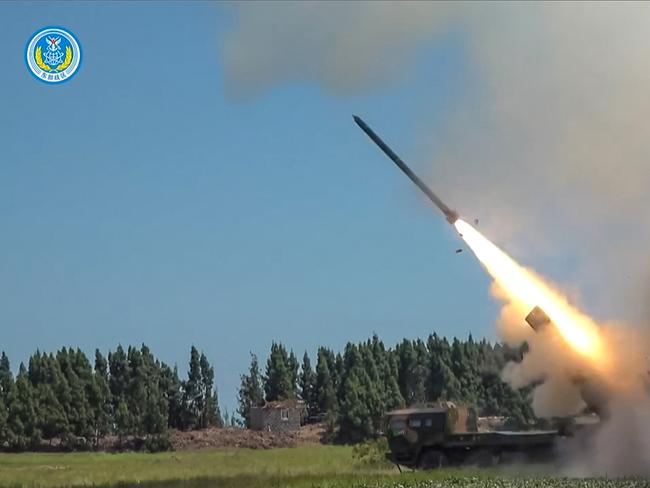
(53, 55)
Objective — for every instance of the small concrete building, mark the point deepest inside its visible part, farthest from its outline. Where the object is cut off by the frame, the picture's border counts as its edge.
(279, 416)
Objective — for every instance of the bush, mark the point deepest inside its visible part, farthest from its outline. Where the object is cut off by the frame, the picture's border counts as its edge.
(158, 443)
(371, 453)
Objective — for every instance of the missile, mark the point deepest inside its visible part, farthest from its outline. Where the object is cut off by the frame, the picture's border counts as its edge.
(450, 215)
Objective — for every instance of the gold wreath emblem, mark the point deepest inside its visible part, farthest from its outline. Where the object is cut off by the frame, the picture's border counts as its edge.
(46, 67)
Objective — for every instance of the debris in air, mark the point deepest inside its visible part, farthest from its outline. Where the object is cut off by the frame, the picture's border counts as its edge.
(537, 319)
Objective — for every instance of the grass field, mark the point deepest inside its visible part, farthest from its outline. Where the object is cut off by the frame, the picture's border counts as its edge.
(308, 467)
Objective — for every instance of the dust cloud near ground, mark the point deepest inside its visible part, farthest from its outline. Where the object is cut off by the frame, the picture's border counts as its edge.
(565, 385)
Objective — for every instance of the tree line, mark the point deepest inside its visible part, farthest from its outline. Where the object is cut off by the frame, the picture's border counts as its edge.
(129, 394)
(62, 397)
(353, 390)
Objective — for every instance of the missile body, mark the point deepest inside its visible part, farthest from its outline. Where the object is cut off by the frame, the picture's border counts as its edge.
(450, 215)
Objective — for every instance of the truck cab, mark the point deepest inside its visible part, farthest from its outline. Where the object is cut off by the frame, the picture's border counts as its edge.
(413, 432)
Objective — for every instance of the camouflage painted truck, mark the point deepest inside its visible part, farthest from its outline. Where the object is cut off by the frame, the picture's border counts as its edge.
(433, 437)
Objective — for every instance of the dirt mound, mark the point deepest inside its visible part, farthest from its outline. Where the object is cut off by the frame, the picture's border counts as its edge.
(231, 438)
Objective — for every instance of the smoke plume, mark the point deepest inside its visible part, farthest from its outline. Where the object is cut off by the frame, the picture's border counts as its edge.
(344, 47)
(550, 150)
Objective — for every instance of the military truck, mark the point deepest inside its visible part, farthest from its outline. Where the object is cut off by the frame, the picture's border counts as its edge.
(434, 437)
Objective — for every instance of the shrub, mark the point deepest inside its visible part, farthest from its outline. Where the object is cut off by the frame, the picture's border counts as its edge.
(371, 452)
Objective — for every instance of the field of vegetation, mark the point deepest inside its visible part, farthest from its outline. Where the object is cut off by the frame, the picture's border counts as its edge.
(305, 467)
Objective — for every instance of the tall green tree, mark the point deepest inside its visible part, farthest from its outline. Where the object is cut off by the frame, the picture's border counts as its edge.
(250, 392)
(101, 401)
(278, 381)
(78, 408)
(22, 419)
(462, 364)
(293, 366)
(4, 427)
(6, 389)
(193, 400)
(355, 416)
(59, 385)
(307, 384)
(51, 417)
(84, 371)
(6, 378)
(373, 385)
(6, 386)
(171, 387)
(118, 382)
(211, 415)
(442, 384)
(412, 367)
(154, 415)
(393, 396)
(325, 385)
(123, 421)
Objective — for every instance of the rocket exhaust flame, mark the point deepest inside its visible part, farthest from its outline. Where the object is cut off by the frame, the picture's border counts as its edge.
(521, 285)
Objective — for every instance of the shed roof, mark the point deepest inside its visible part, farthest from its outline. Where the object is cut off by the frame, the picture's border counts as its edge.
(411, 411)
(282, 404)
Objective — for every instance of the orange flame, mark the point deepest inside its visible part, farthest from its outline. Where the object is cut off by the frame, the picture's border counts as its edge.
(521, 285)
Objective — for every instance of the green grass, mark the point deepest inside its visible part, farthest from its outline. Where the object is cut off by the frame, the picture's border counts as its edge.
(306, 467)
(54, 470)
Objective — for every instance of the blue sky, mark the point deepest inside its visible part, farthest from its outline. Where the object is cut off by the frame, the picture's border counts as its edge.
(139, 204)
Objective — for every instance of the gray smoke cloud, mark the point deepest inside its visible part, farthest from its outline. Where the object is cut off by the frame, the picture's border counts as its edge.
(551, 150)
(554, 156)
(344, 47)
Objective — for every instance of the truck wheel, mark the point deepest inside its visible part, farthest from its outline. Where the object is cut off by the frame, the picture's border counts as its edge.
(433, 459)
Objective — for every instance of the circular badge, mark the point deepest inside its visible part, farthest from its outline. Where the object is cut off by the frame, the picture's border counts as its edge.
(53, 55)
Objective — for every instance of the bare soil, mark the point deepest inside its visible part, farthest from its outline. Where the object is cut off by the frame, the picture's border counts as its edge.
(230, 438)
(236, 438)
(212, 438)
